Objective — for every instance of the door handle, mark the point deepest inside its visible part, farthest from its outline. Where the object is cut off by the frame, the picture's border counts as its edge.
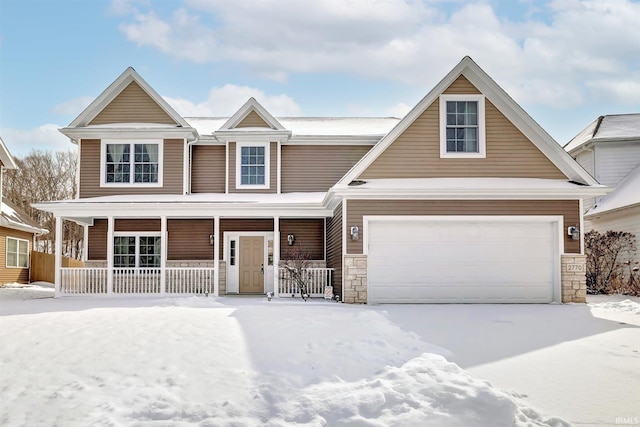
(261, 268)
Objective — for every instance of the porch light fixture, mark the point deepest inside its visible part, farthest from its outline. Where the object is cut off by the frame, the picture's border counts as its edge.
(354, 232)
(211, 239)
(291, 238)
(574, 232)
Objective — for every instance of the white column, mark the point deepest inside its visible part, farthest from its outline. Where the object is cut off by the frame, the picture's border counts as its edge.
(276, 254)
(85, 243)
(58, 256)
(110, 228)
(216, 256)
(164, 244)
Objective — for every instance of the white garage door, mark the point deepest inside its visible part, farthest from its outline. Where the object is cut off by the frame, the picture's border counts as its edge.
(462, 260)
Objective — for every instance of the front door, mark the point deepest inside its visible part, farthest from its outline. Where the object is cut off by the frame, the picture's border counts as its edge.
(251, 264)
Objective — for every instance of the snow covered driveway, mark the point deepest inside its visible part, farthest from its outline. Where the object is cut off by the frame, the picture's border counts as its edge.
(246, 361)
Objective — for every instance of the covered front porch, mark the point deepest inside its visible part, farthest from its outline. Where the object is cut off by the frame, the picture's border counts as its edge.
(187, 251)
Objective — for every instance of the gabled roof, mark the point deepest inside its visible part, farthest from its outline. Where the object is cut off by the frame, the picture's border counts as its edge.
(502, 101)
(626, 195)
(14, 218)
(616, 127)
(114, 89)
(6, 158)
(248, 107)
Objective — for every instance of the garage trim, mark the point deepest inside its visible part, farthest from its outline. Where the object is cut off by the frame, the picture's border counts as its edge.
(556, 220)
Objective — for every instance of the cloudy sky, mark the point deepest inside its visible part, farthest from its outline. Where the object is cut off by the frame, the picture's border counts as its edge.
(564, 61)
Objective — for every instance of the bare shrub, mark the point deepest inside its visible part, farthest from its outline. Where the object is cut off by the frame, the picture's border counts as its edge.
(611, 264)
(296, 262)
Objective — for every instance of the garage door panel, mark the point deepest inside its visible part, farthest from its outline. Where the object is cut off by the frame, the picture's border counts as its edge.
(461, 261)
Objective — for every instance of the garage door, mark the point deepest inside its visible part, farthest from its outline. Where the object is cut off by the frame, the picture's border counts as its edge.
(462, 260)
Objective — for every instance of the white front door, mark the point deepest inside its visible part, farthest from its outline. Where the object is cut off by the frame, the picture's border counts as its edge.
(249, 259)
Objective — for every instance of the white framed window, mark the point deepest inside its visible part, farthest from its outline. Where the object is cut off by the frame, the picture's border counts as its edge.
(252, 165)
(135, 162)
(462, 126)
(17, 255)
(140, 250)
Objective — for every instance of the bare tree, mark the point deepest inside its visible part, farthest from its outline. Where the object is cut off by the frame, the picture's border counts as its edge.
(44, 176)
(611, 262)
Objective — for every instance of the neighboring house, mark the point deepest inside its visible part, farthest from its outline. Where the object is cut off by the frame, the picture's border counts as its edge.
(465, 199)
(17, 232)
(609, 149)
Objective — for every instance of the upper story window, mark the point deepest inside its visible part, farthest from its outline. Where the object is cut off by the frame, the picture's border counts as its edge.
(252, 165)
(131, 163)
(17, 253)
(462, 127)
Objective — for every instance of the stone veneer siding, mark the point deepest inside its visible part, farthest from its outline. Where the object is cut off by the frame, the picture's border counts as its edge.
(574, 283)
(222, 278)
(355, 279)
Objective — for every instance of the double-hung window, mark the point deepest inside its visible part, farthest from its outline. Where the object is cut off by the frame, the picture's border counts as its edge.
(252, 165)
(462, 130)
(136, 251)
(17, 253)
(136, 163)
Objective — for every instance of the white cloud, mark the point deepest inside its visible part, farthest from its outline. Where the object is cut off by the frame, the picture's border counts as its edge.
(73, 107)
(399, 110)
(20, 142)
(226, 100)
(568, 59)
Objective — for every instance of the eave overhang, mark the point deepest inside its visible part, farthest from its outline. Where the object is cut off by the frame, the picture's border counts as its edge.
(78, 133)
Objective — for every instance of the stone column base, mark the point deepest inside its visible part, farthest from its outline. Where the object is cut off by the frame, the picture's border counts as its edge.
(573, 277)
(355, 279)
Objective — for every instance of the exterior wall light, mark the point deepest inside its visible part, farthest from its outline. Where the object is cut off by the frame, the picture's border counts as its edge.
(354, 232)
(574, 232)
(291, 238)
(211, 239)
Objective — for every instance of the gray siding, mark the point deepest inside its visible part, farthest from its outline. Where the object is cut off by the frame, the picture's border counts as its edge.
(309, 234)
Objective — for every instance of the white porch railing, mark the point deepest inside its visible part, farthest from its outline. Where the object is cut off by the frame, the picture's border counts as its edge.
(317, 279)
(188, 280)
(184, 280)
(83, 281)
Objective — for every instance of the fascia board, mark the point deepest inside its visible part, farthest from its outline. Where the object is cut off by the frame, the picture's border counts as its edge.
(598, 214)
(114, 89)
(136, 133)
(252, 135)
(251, 104)
(448, 193)
(4, 222)
(6, 157)
(333, 140)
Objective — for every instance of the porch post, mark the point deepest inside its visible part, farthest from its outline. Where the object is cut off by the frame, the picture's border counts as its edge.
(164, 241)
(85, 243)
(216, 256)
(110, 228)
(276, 254)
(58, 256)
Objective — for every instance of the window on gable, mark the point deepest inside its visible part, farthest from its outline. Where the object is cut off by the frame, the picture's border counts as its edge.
(17, 253)
(136, 251)
(252, 165)
(132, 163)
(462, 126)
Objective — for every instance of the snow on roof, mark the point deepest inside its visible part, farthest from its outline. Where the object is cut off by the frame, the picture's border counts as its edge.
(607, 128)
(316, 126)
(241, 198)
(626, 194)
(468, 184)
(12, 217)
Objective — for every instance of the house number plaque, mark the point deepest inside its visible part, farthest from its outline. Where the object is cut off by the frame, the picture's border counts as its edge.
(575, 267)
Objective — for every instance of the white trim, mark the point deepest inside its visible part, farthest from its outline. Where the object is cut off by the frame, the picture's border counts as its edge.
(110, 93)
(276, 254)
(216, 255)
(58, 257)
(581, 209)
(124, 132)
(164, 247)
(186, 169)
(267, 162)
(556, 220)
(110, 230)
(247, 107)
(502, 101)
(279, 168)
(6, 253)
(132, 143)
(85, 243)
(235, 235)
(333, 140)
(6, 158)
(78, 163)
(482, 145)
(137, 235)
(344, 242)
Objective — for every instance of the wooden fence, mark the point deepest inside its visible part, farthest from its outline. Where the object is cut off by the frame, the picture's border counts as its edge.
(43, 266)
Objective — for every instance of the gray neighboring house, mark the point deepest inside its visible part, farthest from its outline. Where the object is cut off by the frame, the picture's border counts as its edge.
(609, 149)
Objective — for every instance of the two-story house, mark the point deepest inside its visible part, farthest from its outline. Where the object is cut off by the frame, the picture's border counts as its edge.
(465, 199)
(609, 149)
(17, 232)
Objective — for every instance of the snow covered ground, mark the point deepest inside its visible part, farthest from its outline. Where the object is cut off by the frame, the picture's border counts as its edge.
(238, 361)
